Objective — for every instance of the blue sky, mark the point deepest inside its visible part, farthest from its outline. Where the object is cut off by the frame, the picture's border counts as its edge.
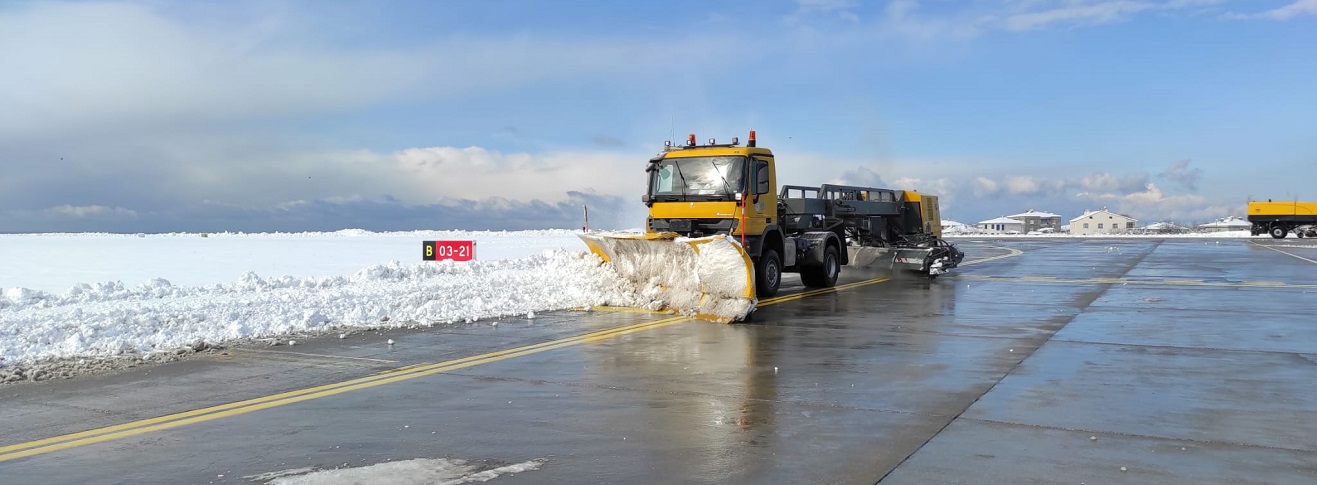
(159, 116)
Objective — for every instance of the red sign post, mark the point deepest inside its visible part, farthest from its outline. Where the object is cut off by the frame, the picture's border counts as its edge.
(443, 250)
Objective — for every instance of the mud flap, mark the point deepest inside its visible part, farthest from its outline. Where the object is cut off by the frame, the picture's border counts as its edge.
(709, 277)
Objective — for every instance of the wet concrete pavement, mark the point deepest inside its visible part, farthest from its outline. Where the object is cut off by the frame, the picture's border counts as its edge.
(1180, 360)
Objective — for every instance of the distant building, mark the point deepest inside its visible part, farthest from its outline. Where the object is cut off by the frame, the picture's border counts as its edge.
(1037, 221)
(1230, 223)
(1165, 227)
(1001, 225)
(1101, 222)
(950, 226)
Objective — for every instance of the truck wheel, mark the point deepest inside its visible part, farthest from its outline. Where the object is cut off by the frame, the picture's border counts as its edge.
(1278, 232)
(768, 274)
(824, 275)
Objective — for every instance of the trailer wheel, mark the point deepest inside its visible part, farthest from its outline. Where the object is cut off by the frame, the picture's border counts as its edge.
(1278, 231)
(824, 275)
(768, 274)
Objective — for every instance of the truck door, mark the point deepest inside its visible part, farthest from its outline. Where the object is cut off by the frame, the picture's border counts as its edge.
(761, 200)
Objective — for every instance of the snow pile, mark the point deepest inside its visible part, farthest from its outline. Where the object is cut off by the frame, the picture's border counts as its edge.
(108, 319)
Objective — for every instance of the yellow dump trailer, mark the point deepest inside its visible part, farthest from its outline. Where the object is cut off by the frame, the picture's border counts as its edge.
(1282, 218)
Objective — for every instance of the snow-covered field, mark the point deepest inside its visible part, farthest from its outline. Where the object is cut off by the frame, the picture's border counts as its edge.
(106, 296)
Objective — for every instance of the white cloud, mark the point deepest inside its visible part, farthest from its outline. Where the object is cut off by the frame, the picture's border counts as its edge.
(1098, 13)
(1180, 173)
(841, 9)
(1151, 203)
(906, 19)
(1297, 9)
(1105, 182)
(117, 67)
(88, 65)
(944, 188)
(859, 176)
(1022, 185)
(984, 186)
(478, 173)
(85, 211)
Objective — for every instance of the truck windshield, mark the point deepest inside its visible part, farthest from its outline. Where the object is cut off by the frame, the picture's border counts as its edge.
(697, 178)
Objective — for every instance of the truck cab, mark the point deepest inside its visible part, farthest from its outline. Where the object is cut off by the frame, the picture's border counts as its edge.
(701, 190)
(713, 189)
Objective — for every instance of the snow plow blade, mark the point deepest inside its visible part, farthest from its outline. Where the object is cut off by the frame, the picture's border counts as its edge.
(709, 277)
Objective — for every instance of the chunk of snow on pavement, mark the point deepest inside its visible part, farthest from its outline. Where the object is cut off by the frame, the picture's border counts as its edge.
(421, 471)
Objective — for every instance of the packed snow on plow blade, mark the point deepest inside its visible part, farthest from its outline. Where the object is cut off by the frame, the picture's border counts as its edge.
(707, 277)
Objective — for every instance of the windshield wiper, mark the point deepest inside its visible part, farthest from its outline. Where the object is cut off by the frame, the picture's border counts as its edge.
(683, 179)
(721, 176)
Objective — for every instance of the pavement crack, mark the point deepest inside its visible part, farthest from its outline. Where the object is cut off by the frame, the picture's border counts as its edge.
(1185, 348)
(1142, 436)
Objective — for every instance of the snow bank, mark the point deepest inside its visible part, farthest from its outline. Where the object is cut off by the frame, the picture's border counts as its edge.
(107, 319)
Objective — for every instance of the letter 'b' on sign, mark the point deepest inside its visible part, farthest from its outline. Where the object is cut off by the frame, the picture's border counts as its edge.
(442, 250)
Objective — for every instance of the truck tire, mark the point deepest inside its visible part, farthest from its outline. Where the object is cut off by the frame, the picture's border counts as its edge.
(768, 274)
(1278, 231)
(823, 275)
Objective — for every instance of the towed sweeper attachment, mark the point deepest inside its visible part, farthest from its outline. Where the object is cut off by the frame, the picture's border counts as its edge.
(707, 277)
(927, 256)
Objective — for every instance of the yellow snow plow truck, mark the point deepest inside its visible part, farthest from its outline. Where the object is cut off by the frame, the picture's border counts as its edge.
(720, 233)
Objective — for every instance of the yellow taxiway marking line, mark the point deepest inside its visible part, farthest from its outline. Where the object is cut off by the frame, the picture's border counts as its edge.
(73, 440)
(1287, 253)
(619, 309)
